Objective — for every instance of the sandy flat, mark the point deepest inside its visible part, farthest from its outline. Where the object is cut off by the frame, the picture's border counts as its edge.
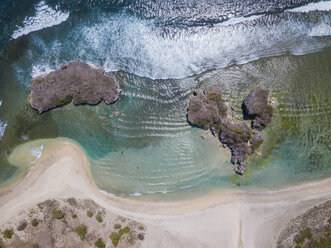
(227, 219)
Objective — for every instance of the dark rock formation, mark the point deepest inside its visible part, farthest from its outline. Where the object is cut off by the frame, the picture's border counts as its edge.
(77, 82)
(256, 108)
(207, 109)
(236, 137)
(22, 226)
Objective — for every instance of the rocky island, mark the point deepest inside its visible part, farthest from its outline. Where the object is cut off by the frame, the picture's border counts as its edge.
(208, 110)
(78, 82)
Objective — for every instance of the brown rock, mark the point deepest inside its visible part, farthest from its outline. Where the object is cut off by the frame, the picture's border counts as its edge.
(207, 109)
(256, 108)
(77, 82)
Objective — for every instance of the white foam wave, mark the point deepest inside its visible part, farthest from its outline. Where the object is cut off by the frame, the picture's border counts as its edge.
(124, 42)
(237, 20)
(321, 30)
(321, 6)
(106, 193)
(36, 152)
(45, 17)
(138, 47)
(3, 126)
(40, 69)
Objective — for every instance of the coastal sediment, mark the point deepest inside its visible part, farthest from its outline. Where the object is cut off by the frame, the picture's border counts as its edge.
(236, 218)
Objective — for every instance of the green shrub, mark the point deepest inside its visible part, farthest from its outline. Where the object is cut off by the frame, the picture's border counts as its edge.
(116, 236)
(74, 216)
(99, 218)
(81, 231)
(34, 222)
(89, 214)
(58, 214)
(141, 228)
(124, 230)
(305, 233)
(8, 233)
(117, 226)
(100, 244)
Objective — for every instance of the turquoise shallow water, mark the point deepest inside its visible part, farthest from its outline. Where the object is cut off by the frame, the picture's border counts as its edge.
(150, 149)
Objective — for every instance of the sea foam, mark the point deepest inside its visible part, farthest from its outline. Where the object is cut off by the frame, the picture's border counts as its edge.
(320, 6)
(45, 17)
(36, 152)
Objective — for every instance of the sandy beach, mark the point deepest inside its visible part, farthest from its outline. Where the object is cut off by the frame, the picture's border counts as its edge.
(229, 219)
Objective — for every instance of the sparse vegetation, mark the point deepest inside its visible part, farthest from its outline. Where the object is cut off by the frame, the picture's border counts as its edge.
(116, 236)
(99, 218)
(305, 233)
(81, 231)
(236, 130)
(100, 244)
(58, 214)
(74, 216)
(214, 97)
(117, 226)
(141, 228)
(31, 212)
(8, 233)
(89, 214)
(34, 222)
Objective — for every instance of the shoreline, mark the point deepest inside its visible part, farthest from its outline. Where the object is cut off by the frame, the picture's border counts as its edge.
(244, 218)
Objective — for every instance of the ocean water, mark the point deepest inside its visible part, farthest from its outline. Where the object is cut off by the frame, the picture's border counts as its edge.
(160, 52)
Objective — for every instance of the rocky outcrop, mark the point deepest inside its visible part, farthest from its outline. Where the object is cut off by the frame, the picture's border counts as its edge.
(77, 82)
(256, 108)
(207, 109)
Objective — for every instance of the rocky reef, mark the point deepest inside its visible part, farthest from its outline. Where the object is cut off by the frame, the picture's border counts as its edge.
(207, 109)
(256, 108)
(77, 82)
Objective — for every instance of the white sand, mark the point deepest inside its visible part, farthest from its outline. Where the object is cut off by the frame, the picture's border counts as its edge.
(229, 219)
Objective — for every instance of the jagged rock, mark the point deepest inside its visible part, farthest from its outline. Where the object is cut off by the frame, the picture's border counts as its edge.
(207, 109)
(256, 140)
(241, 168)
(256, 108)
(236, 137)
(77, 82)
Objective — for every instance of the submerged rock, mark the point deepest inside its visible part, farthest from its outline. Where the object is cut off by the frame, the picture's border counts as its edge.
(256, 108)
(207, 109)
(77, 82)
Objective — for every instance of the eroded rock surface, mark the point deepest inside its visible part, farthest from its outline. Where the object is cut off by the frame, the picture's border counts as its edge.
(256, 108)
(207, 109)
(77, 82)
